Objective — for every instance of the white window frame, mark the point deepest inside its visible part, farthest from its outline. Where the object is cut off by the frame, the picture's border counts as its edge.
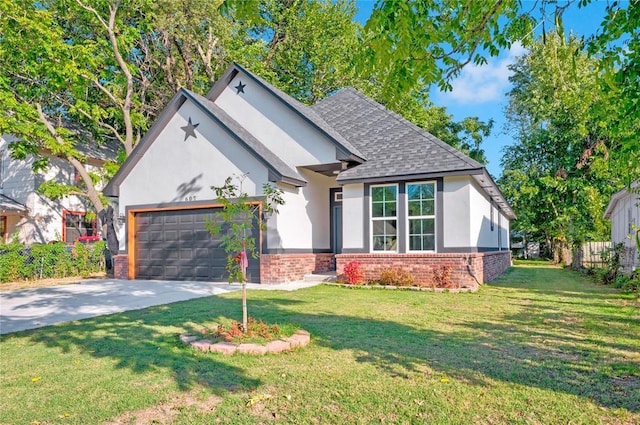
(372, 218)
(417, 217)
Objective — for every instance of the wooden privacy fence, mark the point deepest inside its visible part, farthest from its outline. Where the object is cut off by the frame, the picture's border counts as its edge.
(589, 255)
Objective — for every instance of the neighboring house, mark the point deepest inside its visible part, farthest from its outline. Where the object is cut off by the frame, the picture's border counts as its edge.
(32, 217)
(624, 212)
(360, 184)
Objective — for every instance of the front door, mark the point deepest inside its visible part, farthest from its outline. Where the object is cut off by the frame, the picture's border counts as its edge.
(336, 220)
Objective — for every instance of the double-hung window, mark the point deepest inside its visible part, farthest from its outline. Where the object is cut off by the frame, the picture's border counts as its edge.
(421, 216)
(384, 218)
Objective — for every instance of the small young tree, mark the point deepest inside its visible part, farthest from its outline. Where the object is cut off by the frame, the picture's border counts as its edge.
(235, 224)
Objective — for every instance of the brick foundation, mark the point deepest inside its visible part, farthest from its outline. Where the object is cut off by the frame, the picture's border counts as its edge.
(280, 268)
(121, 266)
(467, 270)
(494, 264)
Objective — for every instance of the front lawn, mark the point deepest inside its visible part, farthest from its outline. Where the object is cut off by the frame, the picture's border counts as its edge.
(541, 345)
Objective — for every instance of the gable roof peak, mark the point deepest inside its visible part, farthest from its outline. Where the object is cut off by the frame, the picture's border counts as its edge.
(300, 109)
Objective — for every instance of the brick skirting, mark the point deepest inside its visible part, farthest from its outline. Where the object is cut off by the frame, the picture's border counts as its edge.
(467, 270)
(121, 266)
(280, 268)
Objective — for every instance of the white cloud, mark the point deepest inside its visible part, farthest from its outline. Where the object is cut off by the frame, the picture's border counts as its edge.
(485, 83)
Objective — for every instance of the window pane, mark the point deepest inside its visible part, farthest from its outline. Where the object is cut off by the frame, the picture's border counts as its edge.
(427, 191)
(429, 242)
(390, 209)
(414, 208)
(428, 207)
(377, 194)
(415, 227)
(415, 243)
(377, 209)
(378, 243)
(390, 243)
(390, 193)
(378, 227)
(428, 225)
(390, 227)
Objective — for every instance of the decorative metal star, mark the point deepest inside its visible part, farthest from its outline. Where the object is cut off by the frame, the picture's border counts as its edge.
(240, 87)
(190, 130)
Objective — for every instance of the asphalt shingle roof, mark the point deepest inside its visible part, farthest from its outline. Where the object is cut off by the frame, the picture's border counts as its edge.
(11, 205)
(260, 151)
(393, 146)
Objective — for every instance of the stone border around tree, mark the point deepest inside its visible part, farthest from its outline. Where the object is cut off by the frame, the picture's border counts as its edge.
(404, 288)
(300, 338)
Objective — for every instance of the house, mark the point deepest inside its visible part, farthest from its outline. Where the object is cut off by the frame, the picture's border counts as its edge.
(34, 218)
(360, 184)
(624, 212)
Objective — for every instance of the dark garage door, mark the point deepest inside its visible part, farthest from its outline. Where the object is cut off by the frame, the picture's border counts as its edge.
(175, 245)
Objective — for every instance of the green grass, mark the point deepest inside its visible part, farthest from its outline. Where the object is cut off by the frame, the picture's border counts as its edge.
(541, 345)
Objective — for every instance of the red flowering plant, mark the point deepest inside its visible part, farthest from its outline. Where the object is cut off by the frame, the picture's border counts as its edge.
(353, 274)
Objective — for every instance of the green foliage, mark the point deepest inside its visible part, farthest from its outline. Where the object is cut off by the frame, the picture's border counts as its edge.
(612, 259)
(618, 47)
(411, 45)
(236, 221)
(18, 262)
(396, 277)
(557, 175)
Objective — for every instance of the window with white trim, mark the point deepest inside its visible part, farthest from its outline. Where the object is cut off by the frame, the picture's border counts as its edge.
(384, 217)
(421, 216)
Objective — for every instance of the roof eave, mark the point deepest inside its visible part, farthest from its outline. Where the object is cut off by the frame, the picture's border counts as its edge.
(406, 177)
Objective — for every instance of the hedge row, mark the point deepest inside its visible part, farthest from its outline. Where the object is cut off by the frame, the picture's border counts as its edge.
(19, 262)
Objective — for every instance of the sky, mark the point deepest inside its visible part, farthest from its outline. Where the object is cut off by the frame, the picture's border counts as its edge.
(480, 91)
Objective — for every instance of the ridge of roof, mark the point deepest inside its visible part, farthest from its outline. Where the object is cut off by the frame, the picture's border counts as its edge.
(298, 107)
(472, 162)
(283, 171)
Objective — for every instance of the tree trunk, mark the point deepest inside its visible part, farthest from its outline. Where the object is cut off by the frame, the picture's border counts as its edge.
(245, 321)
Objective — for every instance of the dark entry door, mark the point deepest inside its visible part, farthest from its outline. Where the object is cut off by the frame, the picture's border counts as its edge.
(175, 245)
(336, 220)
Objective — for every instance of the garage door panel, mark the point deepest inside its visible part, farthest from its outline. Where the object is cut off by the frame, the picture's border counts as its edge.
(175, 245)
(186, 236)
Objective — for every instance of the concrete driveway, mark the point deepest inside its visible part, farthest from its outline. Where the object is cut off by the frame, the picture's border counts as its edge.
(34, 308)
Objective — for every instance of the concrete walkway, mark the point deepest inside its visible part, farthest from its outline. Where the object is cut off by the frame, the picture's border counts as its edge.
(34, 308)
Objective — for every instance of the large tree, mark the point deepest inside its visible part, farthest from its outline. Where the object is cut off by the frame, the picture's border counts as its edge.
(78, 75)
(557, 174)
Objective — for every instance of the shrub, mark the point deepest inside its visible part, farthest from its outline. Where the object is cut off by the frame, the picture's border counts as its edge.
(396, 277)
(38, 261)
(442, 277)
(612, 259)
(353, 273)
(11, 262)
(256, 329)
(628, 283)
